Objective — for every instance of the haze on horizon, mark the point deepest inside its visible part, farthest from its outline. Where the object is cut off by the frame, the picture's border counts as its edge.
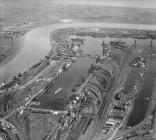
(113, 3)
(116, 3)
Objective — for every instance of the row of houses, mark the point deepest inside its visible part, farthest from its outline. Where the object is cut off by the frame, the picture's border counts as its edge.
(116, 113)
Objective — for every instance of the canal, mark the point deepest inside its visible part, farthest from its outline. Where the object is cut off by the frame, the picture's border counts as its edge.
(71, 77)
(141, 103)
(65, 82)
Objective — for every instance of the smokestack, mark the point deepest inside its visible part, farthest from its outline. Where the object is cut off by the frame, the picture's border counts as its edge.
(103, 44)
(151, 43)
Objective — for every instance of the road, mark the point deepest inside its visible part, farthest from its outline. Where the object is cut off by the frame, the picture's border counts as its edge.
(121, 133)
(96, 127)
(49, 111)
(84, 84)
(21, 107)
(154, 107)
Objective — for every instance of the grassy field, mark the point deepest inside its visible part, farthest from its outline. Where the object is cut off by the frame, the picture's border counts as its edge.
(41, 125)
(9, 47)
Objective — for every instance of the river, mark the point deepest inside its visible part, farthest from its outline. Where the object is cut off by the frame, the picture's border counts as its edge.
(36, 45)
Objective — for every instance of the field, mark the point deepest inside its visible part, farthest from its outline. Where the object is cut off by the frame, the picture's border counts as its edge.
(9, 47)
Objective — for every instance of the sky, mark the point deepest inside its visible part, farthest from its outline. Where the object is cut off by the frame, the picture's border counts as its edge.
(118, 3)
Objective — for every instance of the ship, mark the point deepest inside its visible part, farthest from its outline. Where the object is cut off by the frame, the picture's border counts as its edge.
(58, 90)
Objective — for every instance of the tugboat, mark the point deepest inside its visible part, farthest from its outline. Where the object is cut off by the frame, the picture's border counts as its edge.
(58, 90)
